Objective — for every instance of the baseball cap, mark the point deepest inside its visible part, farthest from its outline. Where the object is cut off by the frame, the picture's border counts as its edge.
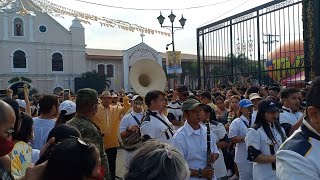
(254, 96)
(135, 97)
(245, 103)
(21, 103)
(267, 106)
(190, 104)
(68, 106)
(106, 94)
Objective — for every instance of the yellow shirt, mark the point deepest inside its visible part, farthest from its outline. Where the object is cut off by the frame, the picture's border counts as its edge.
(100, 119)
(114, 114)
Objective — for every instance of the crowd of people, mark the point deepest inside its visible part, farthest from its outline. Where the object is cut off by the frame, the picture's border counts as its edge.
(246, 133)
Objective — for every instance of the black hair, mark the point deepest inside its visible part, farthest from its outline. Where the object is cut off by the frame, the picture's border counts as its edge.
(206, 94)
(312, 97)
(153, 95)
(262, 122)
(46, 102)
(70, 160)
(252, 89)
(63, 118)
(275, 88)
(15, 106)
(285, 93)
(26, 128)
(208, 109)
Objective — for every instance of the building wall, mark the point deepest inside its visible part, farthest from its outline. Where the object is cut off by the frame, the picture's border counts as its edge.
(39, 48)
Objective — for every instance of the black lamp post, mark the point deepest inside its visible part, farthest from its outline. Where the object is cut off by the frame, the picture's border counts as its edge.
(171, 28)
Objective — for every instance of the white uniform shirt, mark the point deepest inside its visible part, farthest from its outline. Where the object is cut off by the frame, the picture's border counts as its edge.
(253, 117)
(175, 109)
(193, 146)
(287, 116)
(298, 157)
(260, 141)
(126, 122)
(219, 166)
(239, 128)
(154, 128)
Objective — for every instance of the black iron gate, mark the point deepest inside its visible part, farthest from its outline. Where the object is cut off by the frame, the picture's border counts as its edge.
(264, 43)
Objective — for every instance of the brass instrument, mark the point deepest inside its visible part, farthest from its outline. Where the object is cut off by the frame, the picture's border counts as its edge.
(145, 75)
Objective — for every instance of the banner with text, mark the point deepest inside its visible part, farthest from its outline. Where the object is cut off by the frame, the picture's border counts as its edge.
(173, 62)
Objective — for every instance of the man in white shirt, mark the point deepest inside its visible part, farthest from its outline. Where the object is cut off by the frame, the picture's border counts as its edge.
(298, 157)
(255, 98)
(174, 106)
(191, 141)
(49, 109)
(155, 125)
(290, 114)
(130, 124)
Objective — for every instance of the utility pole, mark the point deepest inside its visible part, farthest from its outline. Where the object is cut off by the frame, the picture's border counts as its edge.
(269, 41)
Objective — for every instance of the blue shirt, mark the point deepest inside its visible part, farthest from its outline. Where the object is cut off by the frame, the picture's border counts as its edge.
(41, 128)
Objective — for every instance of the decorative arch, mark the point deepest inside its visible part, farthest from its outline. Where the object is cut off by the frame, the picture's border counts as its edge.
(57, 62)
(18, 26)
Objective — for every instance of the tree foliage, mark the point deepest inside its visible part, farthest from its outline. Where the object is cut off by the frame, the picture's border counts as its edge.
(94, 75)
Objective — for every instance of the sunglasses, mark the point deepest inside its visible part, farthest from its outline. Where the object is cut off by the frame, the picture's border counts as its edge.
(9, 132)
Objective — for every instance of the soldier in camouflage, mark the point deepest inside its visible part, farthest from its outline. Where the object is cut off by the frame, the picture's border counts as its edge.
(87, 106)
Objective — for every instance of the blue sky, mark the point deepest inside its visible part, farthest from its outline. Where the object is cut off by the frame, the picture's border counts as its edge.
(185, 40)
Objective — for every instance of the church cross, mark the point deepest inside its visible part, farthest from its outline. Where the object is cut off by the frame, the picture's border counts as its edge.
(142, 35)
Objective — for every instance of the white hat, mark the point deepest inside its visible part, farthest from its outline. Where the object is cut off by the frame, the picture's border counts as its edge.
(135, 97)
(68, 106)
(254, 96)
(21, 103)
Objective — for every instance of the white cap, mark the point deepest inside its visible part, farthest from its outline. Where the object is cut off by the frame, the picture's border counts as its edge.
(135, 97)
(68, 106)
(21, 103)
(254, 96)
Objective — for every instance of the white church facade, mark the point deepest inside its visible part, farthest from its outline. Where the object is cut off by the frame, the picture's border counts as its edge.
(36, 47)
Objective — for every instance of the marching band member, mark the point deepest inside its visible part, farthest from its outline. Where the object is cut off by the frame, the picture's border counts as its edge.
(208, 116)
(155, 125)
(290, 114)
(298, 157)
(264, 140)
(174, 106)
(237, 134)
(192, 140)
(131, 122)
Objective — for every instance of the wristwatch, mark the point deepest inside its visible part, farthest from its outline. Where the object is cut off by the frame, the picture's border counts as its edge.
(200, 173)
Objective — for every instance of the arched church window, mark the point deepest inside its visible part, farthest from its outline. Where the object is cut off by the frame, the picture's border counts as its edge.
(18, 27)
(101, 69)
(110, 69)
(19, 59)
(57, 62)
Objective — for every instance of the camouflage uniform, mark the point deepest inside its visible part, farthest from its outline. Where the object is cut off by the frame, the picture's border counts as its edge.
(90, 132)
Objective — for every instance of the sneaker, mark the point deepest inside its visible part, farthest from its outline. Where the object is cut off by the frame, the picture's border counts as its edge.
(234, 177)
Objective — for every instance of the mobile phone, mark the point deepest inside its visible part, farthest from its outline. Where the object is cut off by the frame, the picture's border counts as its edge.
(66, 94)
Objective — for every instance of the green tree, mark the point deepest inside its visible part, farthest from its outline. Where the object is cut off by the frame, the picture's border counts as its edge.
(94, 75)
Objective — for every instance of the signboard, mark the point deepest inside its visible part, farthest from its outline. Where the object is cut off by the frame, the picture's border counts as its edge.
(173, 62)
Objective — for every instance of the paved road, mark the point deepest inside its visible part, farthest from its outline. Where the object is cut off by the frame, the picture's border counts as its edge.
(120, 169)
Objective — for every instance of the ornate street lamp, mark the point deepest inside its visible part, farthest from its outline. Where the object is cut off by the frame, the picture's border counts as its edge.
(172, 30)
